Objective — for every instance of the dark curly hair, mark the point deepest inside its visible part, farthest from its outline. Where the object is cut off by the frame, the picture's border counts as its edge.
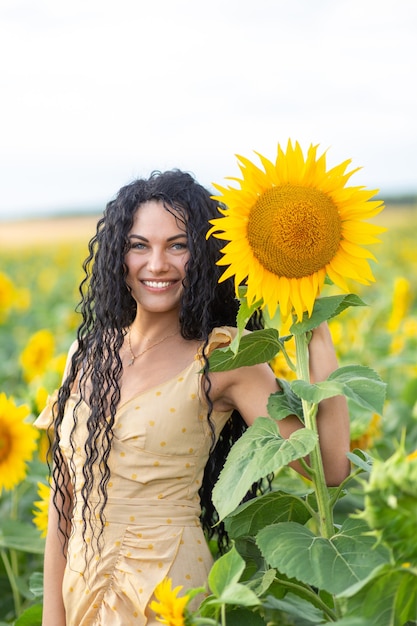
(108, 309)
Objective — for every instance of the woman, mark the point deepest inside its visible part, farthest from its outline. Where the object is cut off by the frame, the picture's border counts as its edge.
(138, 414)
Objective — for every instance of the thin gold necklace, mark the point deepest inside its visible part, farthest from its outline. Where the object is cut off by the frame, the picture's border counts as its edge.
(136, 356)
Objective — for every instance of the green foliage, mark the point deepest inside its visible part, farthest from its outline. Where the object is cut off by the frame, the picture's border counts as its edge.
(258, 347)
(325, 309)
(331, 564)
(391, 504)
(260, 451)
(359, 384)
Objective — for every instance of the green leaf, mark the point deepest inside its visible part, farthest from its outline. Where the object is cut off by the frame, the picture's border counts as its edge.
(244, 314)
(361, 459)
(285, 402)
(332, 564)
(262, 581)
(243, 617)
(259, 346)
(223, 581)
(21, 536)
(270, 508)
(240, 595)
(297, 607)
(352, 621)
(324, 309)
(260, 451)
(31, 617)
(226, 571)
(387, 599)
(36, 584)
(361, 384)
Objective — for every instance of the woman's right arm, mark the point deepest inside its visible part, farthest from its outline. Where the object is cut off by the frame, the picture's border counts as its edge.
(55, 558)
(54, 564)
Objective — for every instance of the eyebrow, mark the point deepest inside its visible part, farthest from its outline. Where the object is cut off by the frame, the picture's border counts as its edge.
(173, 238)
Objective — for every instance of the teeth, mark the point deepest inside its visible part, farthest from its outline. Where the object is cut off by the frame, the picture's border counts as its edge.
(156, 284)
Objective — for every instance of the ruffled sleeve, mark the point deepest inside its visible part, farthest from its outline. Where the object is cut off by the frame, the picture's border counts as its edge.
(46, 418)
(220, 337)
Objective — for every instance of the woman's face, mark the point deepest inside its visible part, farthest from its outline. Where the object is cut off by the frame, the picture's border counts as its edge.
(156, 258)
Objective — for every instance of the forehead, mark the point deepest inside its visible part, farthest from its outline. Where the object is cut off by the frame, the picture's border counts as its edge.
(155, 216)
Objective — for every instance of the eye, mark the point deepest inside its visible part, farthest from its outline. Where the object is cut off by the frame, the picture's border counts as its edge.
(137, 245)
(179, 246)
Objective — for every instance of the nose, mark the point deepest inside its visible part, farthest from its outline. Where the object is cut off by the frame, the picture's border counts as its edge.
(157, 261)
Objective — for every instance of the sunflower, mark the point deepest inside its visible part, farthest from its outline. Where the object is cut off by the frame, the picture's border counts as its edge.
(169, 608)
(17, 442)
(290, 225)
(37, 354)
(40, 518)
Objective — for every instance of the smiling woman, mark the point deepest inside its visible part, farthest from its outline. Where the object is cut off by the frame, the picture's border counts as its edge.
(141, 425)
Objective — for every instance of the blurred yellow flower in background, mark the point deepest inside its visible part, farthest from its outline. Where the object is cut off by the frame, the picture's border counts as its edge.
(7, 291)
(401, 302)
(412, 456)
(17, 442)
(168, 607)
(57, 364)
(11, 297)
(364, 439)
(40, 516)
(410, 327)
(292, 224)
(279, 363)
(37, 354)
(41, 397)
(7, 294)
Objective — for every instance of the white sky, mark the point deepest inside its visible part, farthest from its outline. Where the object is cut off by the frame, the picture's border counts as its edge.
(97, 92)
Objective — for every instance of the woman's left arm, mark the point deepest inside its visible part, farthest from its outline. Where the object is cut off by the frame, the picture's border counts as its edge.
(332, 415)
(247, 389)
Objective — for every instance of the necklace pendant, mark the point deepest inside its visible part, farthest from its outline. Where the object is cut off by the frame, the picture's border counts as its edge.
(131, 362)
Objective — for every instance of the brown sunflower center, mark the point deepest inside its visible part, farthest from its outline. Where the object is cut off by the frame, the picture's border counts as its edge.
(5, 443)
(294, 231)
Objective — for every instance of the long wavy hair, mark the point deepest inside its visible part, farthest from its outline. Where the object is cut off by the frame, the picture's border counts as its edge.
(108, 309)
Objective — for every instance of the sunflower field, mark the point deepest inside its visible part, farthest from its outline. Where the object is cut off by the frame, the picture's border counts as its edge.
(38, 321)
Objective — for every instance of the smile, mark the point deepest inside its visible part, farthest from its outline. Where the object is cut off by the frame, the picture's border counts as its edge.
(157, 284)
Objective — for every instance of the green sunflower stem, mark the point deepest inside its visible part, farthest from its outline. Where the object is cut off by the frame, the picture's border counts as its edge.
(325, 512)
(10, 569)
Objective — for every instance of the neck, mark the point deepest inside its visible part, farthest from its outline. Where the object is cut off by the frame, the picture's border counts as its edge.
(145, 343)
(153, 326)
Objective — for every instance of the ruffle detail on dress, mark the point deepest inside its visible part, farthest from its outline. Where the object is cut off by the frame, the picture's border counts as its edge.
(46, 418)
(220, 337)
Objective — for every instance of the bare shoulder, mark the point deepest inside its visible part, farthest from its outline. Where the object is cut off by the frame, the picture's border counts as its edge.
(246, 389)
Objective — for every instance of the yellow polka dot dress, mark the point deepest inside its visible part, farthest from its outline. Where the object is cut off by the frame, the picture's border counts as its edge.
(152, 530)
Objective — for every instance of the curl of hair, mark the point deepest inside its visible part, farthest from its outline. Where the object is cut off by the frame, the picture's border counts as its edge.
(108, 309)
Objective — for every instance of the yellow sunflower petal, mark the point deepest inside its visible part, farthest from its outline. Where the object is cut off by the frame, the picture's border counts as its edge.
(168, 607)
(354, 250)
(337, 279)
